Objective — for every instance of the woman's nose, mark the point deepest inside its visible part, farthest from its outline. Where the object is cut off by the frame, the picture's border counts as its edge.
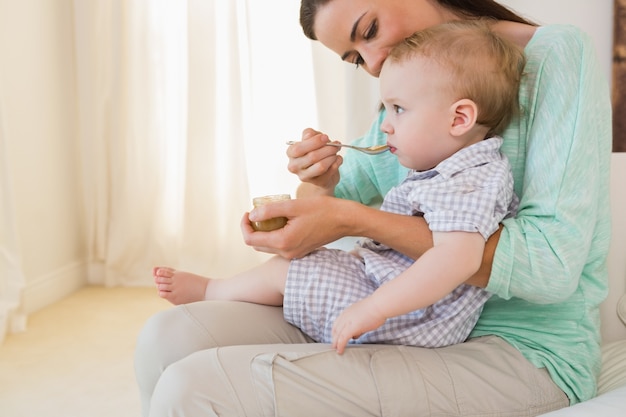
(374, 59)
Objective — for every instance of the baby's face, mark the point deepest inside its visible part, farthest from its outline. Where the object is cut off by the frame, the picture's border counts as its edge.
(420, 112)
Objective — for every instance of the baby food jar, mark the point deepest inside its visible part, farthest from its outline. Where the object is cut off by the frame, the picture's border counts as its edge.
(269, 224)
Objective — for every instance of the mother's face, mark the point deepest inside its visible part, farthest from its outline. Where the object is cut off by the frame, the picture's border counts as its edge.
(362, 32)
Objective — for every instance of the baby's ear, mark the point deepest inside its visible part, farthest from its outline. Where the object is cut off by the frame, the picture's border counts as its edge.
(465, 113)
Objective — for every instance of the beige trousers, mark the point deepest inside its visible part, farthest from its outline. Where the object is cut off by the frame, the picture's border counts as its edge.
(240, 360)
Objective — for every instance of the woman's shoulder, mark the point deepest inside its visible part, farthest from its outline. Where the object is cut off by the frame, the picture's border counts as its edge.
(558, 37)
(561, 30)
(556, 47)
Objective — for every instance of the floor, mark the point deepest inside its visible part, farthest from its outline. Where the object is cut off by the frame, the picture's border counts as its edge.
(75, 359)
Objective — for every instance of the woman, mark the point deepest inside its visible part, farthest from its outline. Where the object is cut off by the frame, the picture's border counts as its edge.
(535, 347)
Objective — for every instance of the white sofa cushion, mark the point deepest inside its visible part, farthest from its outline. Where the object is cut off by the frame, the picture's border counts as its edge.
(613, 374)
(610, 404)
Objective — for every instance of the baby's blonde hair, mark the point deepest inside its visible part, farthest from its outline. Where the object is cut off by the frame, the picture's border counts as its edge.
(481, 66)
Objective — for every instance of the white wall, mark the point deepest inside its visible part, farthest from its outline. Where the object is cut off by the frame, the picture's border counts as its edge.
(594, 17)
(38, 102)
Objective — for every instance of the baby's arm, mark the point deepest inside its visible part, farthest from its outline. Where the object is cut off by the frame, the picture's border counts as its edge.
(454, 257)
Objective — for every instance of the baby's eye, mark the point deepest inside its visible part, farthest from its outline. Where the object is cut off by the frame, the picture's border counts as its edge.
(398, 109)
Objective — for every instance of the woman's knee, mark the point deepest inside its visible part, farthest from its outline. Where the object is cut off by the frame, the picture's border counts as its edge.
(198, 386)
(171, 335)
(154, 339)
(166, 337)
(151, 355)
(174, 393)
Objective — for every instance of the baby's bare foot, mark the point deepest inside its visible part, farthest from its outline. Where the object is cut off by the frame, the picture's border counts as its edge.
(179, 287)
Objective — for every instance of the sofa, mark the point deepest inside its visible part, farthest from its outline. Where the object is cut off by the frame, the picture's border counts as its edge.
(611, 398)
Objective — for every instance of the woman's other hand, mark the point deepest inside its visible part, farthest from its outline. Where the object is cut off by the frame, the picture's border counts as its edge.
(311, 223)
(315, 164)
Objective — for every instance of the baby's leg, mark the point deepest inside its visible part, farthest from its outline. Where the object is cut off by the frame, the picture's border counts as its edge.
(264, 284)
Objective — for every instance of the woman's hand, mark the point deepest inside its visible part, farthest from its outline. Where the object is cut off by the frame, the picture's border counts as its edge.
(311, 223)
(315, 164)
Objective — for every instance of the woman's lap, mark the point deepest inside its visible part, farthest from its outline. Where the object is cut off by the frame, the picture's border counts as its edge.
(174, 334)
(267, 367)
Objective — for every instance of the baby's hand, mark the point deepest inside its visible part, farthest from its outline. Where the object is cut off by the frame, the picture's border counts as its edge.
(359, 318)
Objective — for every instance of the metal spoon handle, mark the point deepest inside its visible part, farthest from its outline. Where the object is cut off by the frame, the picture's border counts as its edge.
(339, 145)
(374, 150)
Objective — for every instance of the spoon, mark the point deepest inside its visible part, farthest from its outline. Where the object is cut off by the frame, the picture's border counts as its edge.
(370, 150)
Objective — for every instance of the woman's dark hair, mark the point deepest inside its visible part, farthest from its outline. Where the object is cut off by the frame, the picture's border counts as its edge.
(467, 8)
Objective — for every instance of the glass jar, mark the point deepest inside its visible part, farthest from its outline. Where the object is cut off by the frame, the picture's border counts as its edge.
(269, 224)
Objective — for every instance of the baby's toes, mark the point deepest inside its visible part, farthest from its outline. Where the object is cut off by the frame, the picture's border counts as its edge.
(162, 280)
(163, 271)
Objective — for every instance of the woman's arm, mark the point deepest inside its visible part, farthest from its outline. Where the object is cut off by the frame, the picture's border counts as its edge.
(317, 221)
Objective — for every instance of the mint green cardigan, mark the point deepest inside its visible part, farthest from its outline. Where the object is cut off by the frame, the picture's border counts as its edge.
(549, 274)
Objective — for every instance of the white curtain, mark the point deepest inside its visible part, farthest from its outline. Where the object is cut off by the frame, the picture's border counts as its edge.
(184, 109)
